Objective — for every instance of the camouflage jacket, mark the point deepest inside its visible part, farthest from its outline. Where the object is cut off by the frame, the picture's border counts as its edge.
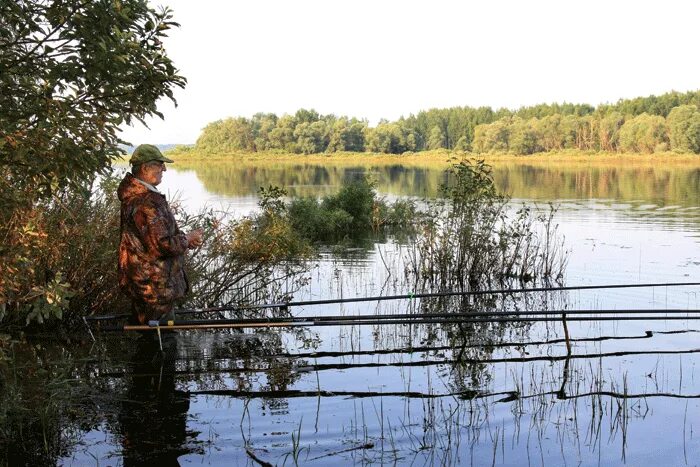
(152, 248)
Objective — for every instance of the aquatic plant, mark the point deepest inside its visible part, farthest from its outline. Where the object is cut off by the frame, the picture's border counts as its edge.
(356, 211)
(470, 240)
(34, 405)
(256, 258)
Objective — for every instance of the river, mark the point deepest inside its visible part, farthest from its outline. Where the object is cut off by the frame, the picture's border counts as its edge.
(623, 392)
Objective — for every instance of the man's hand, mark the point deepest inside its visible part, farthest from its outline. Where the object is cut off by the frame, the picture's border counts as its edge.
(194, 239)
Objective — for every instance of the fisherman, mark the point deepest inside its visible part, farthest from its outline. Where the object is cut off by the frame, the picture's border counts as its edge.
(152, 247)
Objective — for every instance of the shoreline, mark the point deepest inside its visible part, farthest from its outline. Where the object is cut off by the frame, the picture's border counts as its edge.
(439, 158)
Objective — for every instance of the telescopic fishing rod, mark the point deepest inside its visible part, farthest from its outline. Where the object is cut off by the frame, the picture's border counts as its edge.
(409, 296)
(422, 318)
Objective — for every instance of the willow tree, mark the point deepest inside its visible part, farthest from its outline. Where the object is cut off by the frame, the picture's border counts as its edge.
(71, 72)
(684, 128)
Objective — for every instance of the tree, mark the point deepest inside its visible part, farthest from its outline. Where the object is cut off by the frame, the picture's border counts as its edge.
(306, 116)
(684, 128)
(579, 132)
(347, 135)
(355, 135)
(70, 74)
(313, 137)
(231, 134)
(282, 136)
(524, 138)
(391, 138)
(436, 140)
(263, 124)
(462, 144)
(609, 131)
(551, 132)
(493, 137)
(643, 133)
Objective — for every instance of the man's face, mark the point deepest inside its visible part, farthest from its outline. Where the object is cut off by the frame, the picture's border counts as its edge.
(153, 172)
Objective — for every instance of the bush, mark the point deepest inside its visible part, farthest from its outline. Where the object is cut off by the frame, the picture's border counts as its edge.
(402, 214)
(75, 240)
(352, 212)
(357, 199)
(469, 241)
(72, 74)
(316, 222)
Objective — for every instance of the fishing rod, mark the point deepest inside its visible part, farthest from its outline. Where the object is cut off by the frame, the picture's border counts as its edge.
(460, 318)
(409, 296)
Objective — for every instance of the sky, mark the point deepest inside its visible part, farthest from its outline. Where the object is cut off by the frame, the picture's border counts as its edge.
(384, 59)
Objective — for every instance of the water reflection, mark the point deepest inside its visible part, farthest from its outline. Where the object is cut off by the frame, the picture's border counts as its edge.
(442, 394)
(663, 186)
(153, 414)
(395, 394)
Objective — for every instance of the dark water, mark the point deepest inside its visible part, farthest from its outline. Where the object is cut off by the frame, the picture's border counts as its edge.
(621, 393)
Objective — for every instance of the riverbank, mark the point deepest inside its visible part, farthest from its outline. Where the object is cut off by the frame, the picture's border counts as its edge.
(439, 158)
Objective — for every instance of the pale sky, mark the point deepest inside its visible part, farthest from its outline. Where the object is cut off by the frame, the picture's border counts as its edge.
(383, 59)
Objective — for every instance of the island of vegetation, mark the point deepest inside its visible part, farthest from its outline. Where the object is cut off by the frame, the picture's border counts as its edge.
(654, 124)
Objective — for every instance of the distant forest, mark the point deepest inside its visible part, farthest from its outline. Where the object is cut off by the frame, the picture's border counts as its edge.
(645, 125)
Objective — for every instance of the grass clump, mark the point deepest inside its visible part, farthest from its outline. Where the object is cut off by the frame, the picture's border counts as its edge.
(471, 239)
(354, 212)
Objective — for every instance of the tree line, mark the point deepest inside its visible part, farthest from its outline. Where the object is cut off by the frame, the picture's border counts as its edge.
(645, 124)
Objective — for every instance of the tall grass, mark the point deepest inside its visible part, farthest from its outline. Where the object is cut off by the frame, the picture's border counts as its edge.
(470, 240)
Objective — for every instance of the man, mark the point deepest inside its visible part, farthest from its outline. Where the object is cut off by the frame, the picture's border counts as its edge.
(152, 247)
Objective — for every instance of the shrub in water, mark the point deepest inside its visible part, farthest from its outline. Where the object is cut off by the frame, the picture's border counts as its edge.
(470, 240)
(349, 213)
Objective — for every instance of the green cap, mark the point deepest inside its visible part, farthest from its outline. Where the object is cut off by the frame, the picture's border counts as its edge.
(147, 153)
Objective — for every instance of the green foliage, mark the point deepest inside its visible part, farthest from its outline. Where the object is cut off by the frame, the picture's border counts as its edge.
(356, 198)
(391, 138)
(227, 136)
(653, 105)
(318, 223)
(347, 135)
(471, 241)
(436, 140)
(493, 137)
(544, 127)
(643, 133)
(68, 257)
(402, 214)
(72, 73)
(551, 133)
(49, 301)
(271, 199)
(609, 131)
(312, 137)
(351, 212)
(524, 137)
(354, 212)
(684, 128)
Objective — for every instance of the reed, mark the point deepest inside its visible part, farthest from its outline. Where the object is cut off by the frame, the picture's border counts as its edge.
(470, 241)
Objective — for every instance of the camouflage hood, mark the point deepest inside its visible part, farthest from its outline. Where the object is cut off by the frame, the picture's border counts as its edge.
(130, 187)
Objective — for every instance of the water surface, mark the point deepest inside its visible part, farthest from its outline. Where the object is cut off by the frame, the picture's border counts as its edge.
(622, 393)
